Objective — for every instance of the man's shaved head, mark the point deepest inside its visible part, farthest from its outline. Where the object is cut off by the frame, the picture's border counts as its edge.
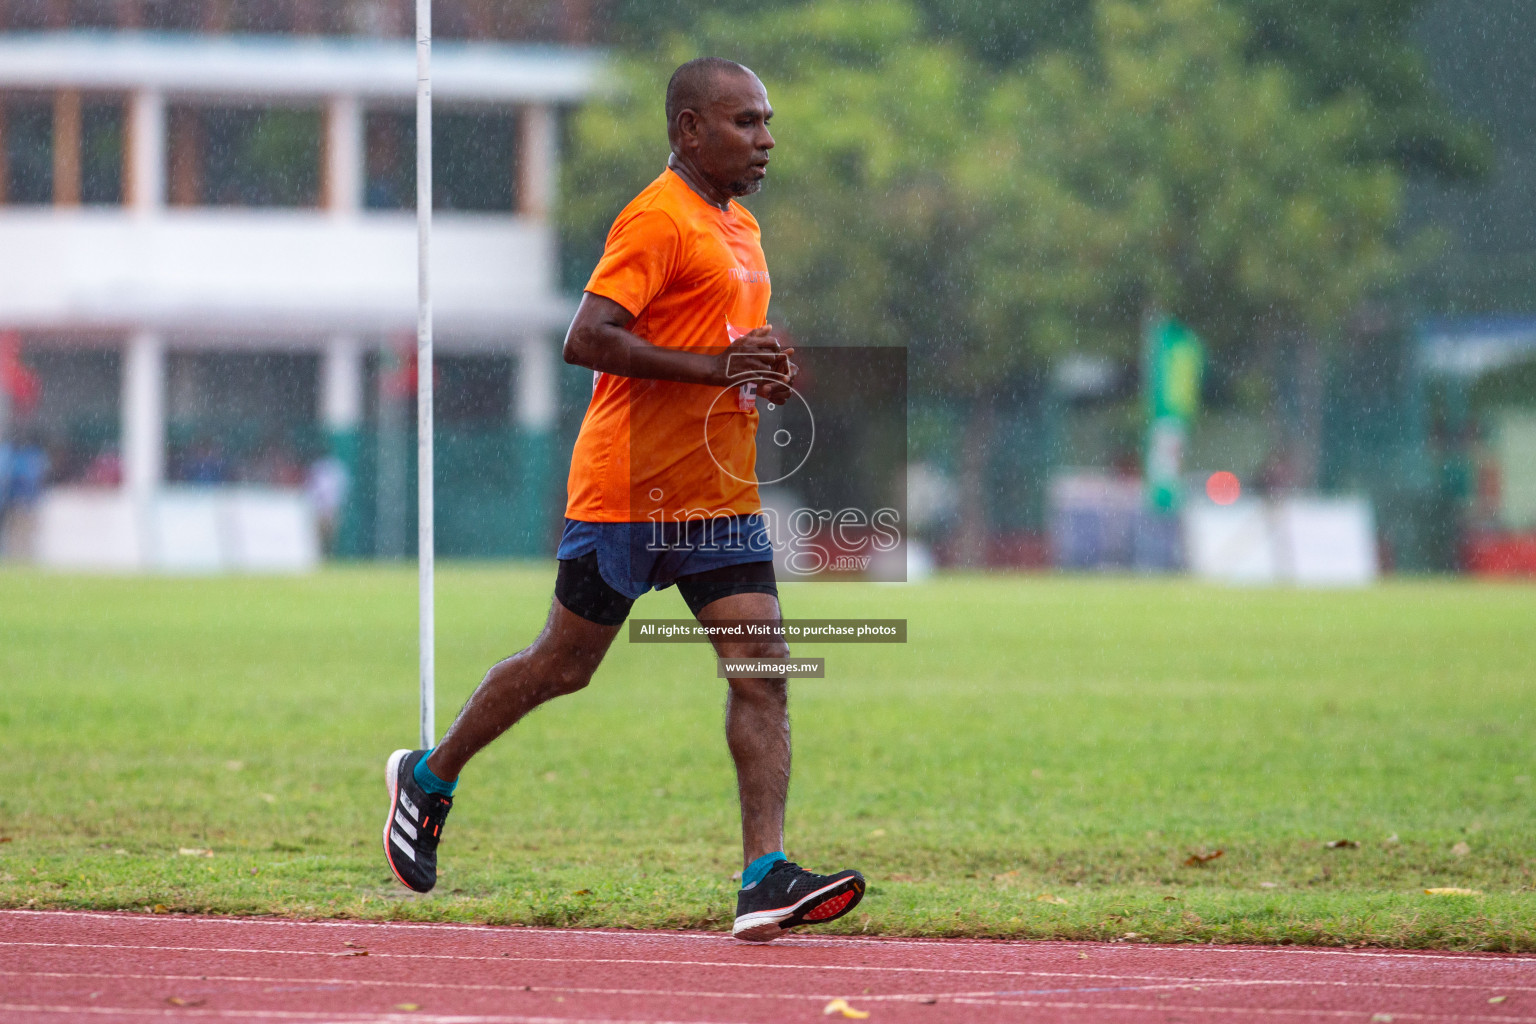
(717, 124)
(692, 85)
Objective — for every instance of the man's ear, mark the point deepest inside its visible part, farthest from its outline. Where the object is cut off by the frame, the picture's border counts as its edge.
(688, 124)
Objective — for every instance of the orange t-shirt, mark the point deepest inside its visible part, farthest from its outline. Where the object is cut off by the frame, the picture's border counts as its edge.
(695, 278)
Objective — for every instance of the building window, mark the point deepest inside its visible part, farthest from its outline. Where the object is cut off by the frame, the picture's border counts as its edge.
(175, 15)
(27, 128)
(29, 14)
(474, 160)
(63, 148)
(244, 156)
(269, 16)
(95, 13)
(241, 417)
(103, 125)
(76, 417)
(474, 391)
(389, 140)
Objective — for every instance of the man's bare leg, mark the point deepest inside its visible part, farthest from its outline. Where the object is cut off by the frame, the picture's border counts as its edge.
(756, 726)
(561, 660)
(757, 729)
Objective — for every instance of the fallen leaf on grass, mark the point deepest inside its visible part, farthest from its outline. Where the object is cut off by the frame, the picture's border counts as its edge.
(1194, 860)
(161, 908)
(1046, 897)
(877, 833)
(1167, 898)
(1498, 999)
(5, 839)
(841, 1006)
(1461, 849)
(1006, 876)
(178, 1001)
(1451, 890)
(1342, 844)
(194, 851)
(582, 892)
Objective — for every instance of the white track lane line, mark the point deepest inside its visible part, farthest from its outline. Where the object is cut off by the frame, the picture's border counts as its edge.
(969, 971)
(534, 959)
(298, 984)
(795, 940)
(1152, 982)
(1167, 1009)
(412, 1017)
(416, 1017)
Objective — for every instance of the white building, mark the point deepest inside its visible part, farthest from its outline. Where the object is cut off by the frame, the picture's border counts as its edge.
(223, 227)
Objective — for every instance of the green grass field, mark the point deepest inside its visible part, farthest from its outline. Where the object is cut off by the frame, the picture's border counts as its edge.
(1040, 759)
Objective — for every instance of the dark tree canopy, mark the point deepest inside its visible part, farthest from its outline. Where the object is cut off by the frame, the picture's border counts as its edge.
(1332, 47)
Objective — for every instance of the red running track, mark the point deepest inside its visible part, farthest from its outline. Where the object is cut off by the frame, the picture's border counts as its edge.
(132, 967)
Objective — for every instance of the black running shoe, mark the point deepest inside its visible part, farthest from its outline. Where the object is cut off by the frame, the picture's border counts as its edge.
(789, 895)
(415, 823)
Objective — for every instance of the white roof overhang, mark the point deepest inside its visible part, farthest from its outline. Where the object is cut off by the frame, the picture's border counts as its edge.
(281, 66)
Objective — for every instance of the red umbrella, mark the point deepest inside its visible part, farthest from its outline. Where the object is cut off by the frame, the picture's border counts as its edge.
(16, 380)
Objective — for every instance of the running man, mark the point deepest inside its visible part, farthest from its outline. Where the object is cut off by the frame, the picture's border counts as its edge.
(673, 324)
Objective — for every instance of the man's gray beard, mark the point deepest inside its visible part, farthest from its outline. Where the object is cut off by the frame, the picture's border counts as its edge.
(746, 188)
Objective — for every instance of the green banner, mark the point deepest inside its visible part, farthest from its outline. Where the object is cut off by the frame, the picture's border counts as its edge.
(1173, 360)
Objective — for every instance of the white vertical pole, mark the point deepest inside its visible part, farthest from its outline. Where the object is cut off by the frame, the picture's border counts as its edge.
(344, 155)
(143, 410)
(146, 151)
(143, 435)
(424, 547)
(341, 384)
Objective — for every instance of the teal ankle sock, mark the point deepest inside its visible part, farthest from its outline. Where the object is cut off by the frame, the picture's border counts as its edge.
(431, 783)
(758, 869)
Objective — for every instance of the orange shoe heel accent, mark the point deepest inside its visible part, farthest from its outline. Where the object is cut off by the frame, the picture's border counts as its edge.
(830, 908)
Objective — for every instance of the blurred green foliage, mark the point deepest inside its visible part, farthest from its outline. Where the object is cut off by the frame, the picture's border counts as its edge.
(989, 217)
(1364, 48)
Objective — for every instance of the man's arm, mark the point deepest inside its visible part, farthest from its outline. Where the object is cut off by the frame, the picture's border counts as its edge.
(599, 339)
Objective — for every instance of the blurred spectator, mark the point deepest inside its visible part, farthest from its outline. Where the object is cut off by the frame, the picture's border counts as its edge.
(206, 464)
(25, 469)
(275, 467)
(327, 488)
(1277, 474)
(104, 470)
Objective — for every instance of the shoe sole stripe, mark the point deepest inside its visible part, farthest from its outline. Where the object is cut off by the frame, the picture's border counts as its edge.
(392, 779)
